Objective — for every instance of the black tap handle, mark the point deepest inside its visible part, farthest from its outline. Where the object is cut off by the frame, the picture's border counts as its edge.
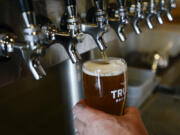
(121, 3)
(138, 1)
(70, 2)
(98, 4)
(26, 5)
(74, 2)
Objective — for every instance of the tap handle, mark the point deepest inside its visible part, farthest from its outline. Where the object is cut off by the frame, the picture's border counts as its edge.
(121, 3)
(74, 2)
(137, 1)
(162, 3)
(98, 4)
(71, 7)
(152, 3)
(27, 12)
(172, 4)
(70, 2)
(67, 2)
(26, 5)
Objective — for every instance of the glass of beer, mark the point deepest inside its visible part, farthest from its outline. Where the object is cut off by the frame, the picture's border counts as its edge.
(105, 84)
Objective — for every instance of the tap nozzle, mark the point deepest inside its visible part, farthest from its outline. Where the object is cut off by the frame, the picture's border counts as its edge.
(35, 66)
(163, 7)
(119, 21)
(8, 45)
(150, 13)
(32, 49)
(97, 34)
(137, 16)
(171, 5)
(52, 35)
(136, 26)
(98, 29)
(72, 50)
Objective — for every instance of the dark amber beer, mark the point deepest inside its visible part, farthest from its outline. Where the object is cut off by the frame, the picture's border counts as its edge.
(105, 84)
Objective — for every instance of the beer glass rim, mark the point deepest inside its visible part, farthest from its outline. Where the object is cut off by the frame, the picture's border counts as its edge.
(124, 69)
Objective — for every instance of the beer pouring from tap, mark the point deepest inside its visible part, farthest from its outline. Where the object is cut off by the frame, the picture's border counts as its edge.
(99, 28)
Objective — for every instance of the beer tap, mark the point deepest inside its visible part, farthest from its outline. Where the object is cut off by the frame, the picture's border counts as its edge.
(120, 20)
(137, 16)
(171, 5)
(30, 50)
(164, 8)
(97, 30)
(67, 38)
(73, 27)
(32, 35)
(151, 12)
(52, 35)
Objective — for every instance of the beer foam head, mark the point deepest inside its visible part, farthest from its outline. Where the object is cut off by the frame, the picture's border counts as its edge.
(98, 67)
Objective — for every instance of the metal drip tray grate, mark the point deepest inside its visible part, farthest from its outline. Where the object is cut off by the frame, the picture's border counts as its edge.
(161, 114)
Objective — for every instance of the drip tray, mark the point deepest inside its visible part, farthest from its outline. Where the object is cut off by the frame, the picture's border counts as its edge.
(161, 114)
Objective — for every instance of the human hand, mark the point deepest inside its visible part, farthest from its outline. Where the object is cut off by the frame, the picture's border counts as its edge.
(89, 121)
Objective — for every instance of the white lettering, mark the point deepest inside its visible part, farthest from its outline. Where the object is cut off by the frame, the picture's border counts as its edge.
(120, 93)
(114, 93)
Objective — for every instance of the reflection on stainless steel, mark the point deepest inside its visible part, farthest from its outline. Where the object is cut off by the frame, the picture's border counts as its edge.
(34, 105)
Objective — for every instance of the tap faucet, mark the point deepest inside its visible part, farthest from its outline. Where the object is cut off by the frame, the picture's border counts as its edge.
(38, 39)
(30, 50)
(120, 20)
(68, 38)
(97, 30)
(73, 27)
(53, 35)
(137, 15)
(171, 5)
(33, 49)
(151, 12)
(9, 45)
(163, 7)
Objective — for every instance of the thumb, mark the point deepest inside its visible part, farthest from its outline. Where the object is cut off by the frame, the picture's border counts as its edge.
(131, 110)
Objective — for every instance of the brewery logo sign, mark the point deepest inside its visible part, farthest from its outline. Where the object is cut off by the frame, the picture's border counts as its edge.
(118, 95)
